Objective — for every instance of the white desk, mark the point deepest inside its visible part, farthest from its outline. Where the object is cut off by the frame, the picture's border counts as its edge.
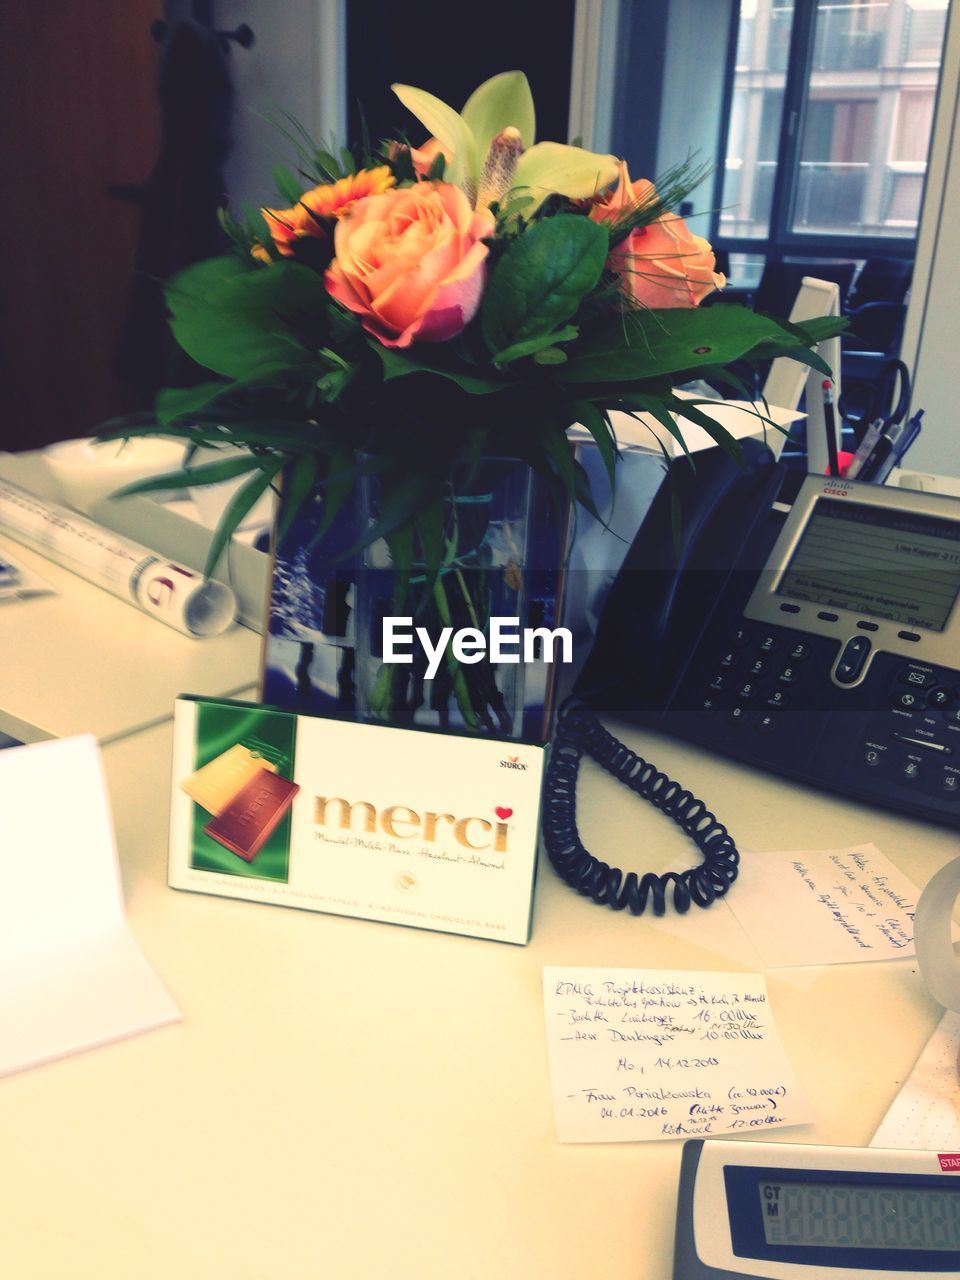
(84, 661)
(353, 1100)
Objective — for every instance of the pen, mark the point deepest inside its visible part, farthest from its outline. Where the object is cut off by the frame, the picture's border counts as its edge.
(866, 447)
(898, 448)
(831, 427)
(875, 463)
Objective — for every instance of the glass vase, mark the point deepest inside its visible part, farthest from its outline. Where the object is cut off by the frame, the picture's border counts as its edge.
(483, 589)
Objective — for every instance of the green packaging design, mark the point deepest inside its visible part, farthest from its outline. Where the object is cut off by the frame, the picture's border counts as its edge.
(386, 824)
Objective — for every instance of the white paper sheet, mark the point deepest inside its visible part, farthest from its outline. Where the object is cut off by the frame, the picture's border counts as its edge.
(926, 1113)
(741, 418)
(825, 906)
(638, 1055)
(71, 976)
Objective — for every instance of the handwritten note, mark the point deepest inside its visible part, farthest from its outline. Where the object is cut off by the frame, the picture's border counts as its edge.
(827, 906)
(643, 1054)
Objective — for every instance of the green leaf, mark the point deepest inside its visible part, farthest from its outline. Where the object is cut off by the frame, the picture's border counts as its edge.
(299, 482)
(553, 440)
(180, 402)
(539, 282)
(498, 103)
(429, 526)
(598, 424)
(238, 322)
(527, 348)
(403, 498)
(552, 167)
(287, 183)
(449, 128)
(551, 356)
(398, 364)
(190, 477)
(688, 409)
(242, 501)
(648, 344)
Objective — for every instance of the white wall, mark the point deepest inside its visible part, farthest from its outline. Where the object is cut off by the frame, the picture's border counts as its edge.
(931, 346)
(295, 63)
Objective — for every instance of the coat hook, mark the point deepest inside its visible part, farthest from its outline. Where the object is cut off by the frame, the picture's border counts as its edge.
(242, 35)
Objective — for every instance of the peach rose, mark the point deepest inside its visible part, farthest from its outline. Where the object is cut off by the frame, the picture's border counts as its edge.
(662, 264)
(411, 263)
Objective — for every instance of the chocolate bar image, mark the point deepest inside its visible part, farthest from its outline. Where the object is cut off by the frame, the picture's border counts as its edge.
(245, 824)
(214, 785)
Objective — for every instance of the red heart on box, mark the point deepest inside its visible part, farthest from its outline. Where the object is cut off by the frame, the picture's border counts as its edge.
(502, 814)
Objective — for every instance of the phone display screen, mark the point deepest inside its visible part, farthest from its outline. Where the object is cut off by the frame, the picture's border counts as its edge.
(878, 562)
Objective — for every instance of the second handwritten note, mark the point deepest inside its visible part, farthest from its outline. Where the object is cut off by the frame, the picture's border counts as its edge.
(642, 1054)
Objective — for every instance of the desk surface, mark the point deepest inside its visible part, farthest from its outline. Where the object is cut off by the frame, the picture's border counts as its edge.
(358, 1100)
(84, 661)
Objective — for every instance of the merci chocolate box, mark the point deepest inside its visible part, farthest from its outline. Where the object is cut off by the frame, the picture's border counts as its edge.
(360, 820)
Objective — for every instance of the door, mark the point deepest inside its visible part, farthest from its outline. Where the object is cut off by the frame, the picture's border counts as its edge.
(79, 114)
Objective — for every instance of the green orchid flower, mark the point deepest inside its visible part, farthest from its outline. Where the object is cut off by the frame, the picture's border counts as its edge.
(490, 151)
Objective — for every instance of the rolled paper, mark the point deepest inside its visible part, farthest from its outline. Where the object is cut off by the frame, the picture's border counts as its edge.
(178, 596)
(933, 936)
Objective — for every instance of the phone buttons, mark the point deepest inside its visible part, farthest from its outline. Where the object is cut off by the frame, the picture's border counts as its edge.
(747, 691)
(917, 678)
(852, 659)
(788, 675)
(908, 701)
(766, 722)
(911, 770)
(728, 660)
(800, 651)
(719, 683)
(873, 757)
(939, 698)
(950, 784)
(767, 644)
(736, 715)
(777, 699)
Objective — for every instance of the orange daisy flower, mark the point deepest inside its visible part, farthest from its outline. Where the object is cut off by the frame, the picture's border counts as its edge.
(330, 201)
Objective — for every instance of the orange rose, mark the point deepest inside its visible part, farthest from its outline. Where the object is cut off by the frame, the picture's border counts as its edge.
(411, 263)
(662, 264)
(333, 200)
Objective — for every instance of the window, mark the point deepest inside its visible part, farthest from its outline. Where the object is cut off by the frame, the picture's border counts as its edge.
(830, 113)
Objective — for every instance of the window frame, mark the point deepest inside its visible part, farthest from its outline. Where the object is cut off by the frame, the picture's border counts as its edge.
(782, 241)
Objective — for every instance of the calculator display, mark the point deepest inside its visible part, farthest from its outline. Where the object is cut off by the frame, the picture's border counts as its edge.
(879, 562)
(851, 1216)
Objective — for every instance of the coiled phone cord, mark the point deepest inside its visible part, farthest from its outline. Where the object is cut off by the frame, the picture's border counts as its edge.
(579, 730)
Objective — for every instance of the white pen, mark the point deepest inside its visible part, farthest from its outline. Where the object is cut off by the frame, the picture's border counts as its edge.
(867, 446)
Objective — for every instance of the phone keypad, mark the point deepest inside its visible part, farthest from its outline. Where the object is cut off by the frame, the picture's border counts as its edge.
(756, 682)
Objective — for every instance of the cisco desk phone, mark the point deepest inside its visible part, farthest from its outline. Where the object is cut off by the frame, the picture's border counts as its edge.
(823, 644)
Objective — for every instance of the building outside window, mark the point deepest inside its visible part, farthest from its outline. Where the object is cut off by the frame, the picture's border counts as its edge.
(830, 116)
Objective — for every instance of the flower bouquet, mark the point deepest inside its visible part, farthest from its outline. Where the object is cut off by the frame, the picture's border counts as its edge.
(413, 312)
